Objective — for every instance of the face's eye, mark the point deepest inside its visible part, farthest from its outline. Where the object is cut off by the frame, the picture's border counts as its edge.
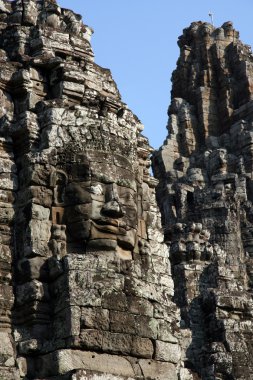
(77, 194)
(127, 197)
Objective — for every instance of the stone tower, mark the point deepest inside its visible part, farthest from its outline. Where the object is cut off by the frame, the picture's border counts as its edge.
(85, 280)
(205, 194)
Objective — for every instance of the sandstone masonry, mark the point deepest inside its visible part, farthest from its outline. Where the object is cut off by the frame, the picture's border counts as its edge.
(85, 279)
(205, 195)
(89, 290)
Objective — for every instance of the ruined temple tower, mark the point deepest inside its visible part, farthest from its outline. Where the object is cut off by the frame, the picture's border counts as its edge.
(91, 286)
(205, 172)
(85, 280)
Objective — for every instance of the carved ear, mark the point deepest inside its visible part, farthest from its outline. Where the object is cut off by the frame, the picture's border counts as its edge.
(57, 175)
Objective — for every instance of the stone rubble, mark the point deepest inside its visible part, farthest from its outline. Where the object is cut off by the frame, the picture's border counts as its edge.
(205, 195)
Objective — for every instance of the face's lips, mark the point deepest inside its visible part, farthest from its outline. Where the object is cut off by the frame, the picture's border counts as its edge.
(113, 226)
(109, 222)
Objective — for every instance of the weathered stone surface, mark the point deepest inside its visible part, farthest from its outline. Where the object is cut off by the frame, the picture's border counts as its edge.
(6, 350)
(85, 278)
(142, 347)
(9, 374)
(205, 195)
(158, 370)
(63, 361)
(168, 352)
(87, 375)
(88, 288)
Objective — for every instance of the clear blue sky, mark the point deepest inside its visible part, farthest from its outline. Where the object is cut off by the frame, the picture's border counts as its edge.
(137, 40)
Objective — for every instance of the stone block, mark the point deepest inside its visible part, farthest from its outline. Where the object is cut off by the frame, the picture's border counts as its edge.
(115, 301)
(185, 374)
(39, 230)
(140, 306)
(7, 355)
(6, 213)
(38, 194)
(165, 334)
(122, 322)
(39, 212)
(145, 289)
(146, 327)
(34, 175)
(97, 318)
(93, 375)
(167, 352)
(142, 347)
(9, 373)
(158, 370)
(167, 312)
(6, 297)
(92, 339)
(67, 322)
(117, 343)
(62, 361)
(8, 181)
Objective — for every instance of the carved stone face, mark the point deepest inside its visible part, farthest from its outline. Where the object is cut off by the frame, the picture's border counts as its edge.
(101, 203)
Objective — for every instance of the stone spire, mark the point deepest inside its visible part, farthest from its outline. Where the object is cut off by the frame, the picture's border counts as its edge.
(205, 195)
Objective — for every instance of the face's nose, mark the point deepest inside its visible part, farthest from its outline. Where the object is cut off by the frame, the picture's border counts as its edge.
(112, 207)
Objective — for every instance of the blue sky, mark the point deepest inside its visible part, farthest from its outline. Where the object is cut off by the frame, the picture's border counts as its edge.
(137, 41)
